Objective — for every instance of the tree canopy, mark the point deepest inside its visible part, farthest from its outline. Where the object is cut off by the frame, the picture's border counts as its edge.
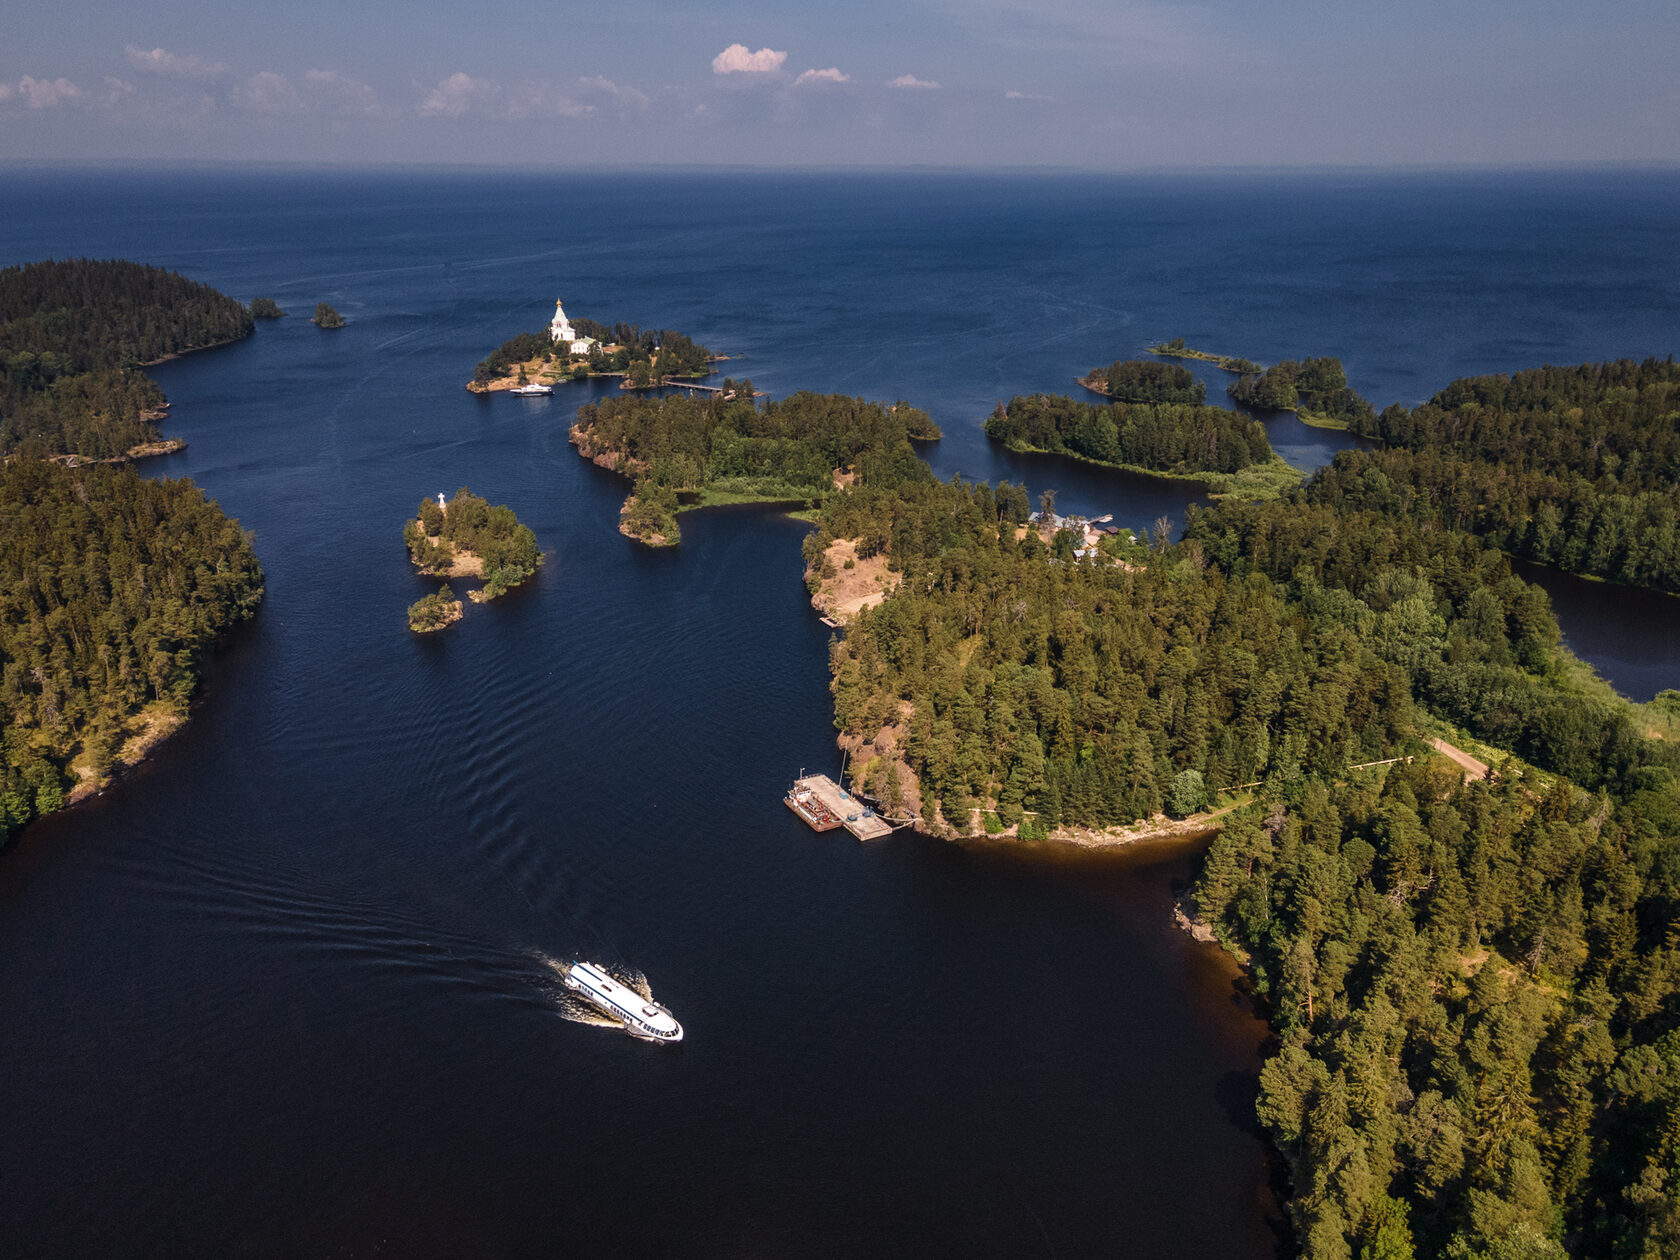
(112, 588)
(1148, 381)
(788, 450)
(1318, 387)
(507, 549)
(1476, 985)
(1577, 467)
(73, 334)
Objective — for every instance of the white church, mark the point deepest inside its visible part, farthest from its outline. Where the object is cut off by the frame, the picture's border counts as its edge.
(561, 333)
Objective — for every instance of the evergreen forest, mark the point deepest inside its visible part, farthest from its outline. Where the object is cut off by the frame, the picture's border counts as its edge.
(682, 452)
(112, 589)
(1316, 388)
(1575, 467)
(1475, 984)
(643, 357)
(1146, 381)
(507, 549)
(73, 335)
(1224, 449)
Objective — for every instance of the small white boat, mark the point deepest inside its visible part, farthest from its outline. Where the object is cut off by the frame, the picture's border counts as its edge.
(641, 1016)
(533, 390)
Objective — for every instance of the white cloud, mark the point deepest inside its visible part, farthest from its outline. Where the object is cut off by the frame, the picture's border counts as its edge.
(1013, 95)
(911, 81)
(339, 94)
(47, 93)
(737, 60)
(461, 94)
(5, 91)
(831, 75)
(176, 65)
(115, 90)
(604, 88)
(269, 93)
(545, 100)
(457, 94)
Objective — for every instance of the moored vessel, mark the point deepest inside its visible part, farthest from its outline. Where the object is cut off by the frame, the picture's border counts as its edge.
(533, 389)
(641, 1016)
(804, 802)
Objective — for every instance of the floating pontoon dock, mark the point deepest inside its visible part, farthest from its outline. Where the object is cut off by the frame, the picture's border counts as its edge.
(854, 815)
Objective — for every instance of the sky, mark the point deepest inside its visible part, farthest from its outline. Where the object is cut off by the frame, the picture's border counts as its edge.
(1097, 84)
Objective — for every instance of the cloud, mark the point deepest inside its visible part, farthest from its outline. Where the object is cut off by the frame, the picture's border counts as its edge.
(831, 75)
(457, 94)
(607, 91)
(911, 81)
(737, 60)
(269, 93)
(115, 90)
(461, 94)
(336, 93)
(47, 93)
(1013, 95)
(173, 65)
(544, 100)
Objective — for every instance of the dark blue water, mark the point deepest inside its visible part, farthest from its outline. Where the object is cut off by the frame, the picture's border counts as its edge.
(285, 989)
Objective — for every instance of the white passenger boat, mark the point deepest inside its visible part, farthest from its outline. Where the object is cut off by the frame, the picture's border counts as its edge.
(533, 389)
(641, 1016)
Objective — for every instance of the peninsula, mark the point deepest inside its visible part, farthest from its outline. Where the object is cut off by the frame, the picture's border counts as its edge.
(1468, 972)
(113, 587)
(576, 350)
(73, 335)
(467, 538)
(685, 453)
(1573, 467)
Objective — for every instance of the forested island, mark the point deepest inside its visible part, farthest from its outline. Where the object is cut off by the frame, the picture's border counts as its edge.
(266, 308)
(1316, 390)
(1220, 448)
(466, 537)
(1141, 381)
(73, 337)
(327, 317)
(1176, 349)
(112, 589)
(645, 358)
(697, 452)
(435, 611)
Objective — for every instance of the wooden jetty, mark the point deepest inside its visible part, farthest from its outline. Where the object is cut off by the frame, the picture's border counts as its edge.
(826, 799)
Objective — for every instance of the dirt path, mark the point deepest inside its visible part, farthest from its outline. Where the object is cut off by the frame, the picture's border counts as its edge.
(1473, 769)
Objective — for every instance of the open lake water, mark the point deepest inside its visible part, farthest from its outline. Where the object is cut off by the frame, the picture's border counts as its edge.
(287, 989)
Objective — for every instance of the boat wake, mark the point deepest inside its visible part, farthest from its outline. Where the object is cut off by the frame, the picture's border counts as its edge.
(567, 1006)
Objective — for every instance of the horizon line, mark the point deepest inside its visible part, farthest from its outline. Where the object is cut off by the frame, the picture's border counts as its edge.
(1639, 165)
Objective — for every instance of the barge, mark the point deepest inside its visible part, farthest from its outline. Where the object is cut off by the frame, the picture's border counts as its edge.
(804, 802)
(838, 808)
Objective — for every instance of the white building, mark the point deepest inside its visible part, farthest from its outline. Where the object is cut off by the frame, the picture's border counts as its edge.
(561, 332)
